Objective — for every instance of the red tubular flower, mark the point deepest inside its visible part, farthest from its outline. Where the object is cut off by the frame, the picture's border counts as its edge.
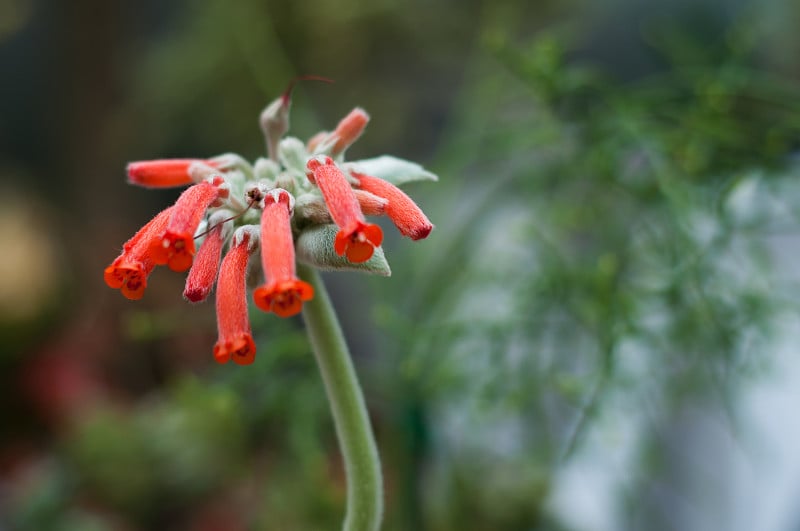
(176, 246)
(164, 173)
(356, 238)
(235, 337)
(282, 292)
(204, 269)
(349, 129)
(130, 270)
(401, 209)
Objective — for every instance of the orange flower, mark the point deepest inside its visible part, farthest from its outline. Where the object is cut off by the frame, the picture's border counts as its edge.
(130, 270)
(356, 238)
(235, 336)
(282, 293)
(401, 209)
(164, 173)
(176, 245)
(349, 129)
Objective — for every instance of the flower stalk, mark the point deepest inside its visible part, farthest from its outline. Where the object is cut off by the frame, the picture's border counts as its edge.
(353, 430)
(302, 209)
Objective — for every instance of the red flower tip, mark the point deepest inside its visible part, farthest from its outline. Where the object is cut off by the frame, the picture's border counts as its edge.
(235, 338)
(240, 348)
(176, 246)
(421, 232)
(284, 298)
(401, 209)
(164, 173)
(358, 242)
(129, 277)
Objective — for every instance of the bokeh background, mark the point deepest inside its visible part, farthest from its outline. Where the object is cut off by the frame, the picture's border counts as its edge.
(600, 334)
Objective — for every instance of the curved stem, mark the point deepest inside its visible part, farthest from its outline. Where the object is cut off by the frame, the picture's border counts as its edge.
(361, 463)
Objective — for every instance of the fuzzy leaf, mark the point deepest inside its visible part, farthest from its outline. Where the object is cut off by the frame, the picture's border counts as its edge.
(293, 155)
(266, 169)
(396, 171)
(311, 206)
(315, 248)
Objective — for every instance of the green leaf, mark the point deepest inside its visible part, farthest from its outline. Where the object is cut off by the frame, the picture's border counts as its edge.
(315, 248)
(396, 171)
(266, 169)
(293, 155)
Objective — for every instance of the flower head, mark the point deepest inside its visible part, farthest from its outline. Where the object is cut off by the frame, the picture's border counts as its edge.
(302, 196)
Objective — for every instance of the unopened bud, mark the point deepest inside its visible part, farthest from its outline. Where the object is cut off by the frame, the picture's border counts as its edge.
(274, 123)
(348, 130)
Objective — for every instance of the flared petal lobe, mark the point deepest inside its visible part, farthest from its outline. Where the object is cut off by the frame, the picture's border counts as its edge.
(284, 299)
(358, 241)
(282, 293)
(235, 337)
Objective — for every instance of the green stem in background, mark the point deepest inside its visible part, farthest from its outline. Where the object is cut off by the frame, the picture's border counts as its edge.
(361, 463)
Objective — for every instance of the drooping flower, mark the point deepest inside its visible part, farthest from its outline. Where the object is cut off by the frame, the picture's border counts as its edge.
(356, 238)
(283, 293)
(301, 196)
(235, 337)
(203, 273)
(129, 272)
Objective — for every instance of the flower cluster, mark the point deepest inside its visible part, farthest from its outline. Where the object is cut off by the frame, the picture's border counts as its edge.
(303, 202)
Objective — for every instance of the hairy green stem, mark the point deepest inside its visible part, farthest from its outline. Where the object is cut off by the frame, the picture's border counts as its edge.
(361, 463)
